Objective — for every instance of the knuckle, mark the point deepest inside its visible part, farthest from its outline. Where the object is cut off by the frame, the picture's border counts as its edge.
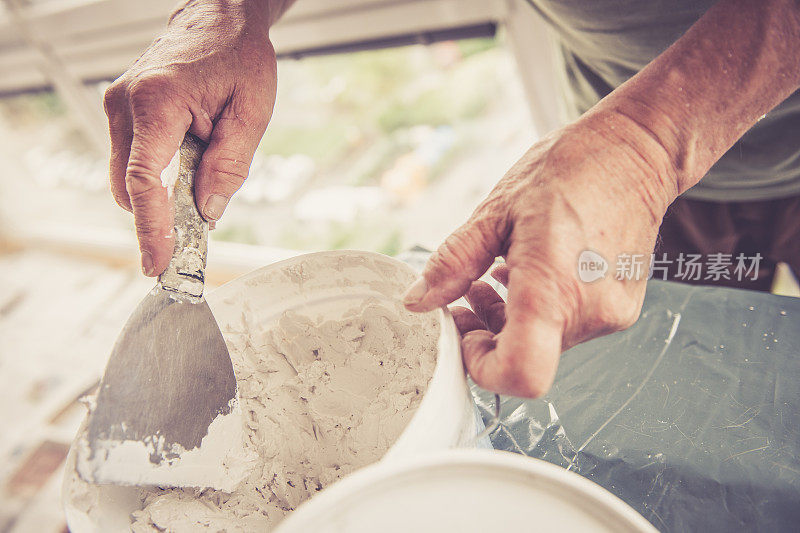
(252, 111)
(148, 91)
(449, 256)
(113, 96)
(458, 250)
(140, 181)
(250, 117)
(487, 233)
(491, 215)
(229, 170)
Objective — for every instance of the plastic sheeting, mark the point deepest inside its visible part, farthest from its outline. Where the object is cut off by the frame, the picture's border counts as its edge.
(692, 416)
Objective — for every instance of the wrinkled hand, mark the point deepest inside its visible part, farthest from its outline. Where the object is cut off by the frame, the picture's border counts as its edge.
(212, 73)
(601, 184)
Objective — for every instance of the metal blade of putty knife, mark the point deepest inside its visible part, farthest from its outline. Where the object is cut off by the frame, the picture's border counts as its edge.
(166, 412)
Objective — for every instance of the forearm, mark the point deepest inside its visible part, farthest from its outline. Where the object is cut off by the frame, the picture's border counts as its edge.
(741, 59)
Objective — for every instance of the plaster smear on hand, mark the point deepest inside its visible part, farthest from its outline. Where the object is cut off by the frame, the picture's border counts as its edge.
(170, 174)
(321, 398)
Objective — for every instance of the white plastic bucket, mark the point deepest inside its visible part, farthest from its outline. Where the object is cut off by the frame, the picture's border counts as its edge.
(446, 417)
(464, 491)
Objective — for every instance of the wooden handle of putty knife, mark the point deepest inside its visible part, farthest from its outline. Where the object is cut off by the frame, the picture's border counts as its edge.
(185, 273)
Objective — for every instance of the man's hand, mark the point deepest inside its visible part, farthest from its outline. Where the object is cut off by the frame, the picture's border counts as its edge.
(596, 185)
(212, 73)
(603, 184)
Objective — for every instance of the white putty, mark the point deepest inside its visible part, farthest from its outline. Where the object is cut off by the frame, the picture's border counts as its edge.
(321, 397)
(220, 461)
(170, 173)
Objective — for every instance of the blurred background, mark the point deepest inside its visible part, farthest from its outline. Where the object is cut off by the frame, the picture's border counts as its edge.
(386, 110)
(394, 118)
(360, 151)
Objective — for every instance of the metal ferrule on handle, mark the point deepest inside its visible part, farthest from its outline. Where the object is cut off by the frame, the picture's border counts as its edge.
(185, 274)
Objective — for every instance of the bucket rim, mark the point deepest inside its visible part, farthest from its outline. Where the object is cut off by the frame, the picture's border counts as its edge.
(383, 475)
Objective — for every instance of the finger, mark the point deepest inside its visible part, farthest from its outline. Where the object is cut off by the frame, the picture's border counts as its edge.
(466, 320)
(522, 359)
(500, 274)
(463, 258)
(157, 134)
(226, 161)
(120, 131)
(477, 349)
(489, 307)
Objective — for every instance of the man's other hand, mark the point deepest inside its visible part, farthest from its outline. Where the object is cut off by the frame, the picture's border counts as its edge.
(600, 185)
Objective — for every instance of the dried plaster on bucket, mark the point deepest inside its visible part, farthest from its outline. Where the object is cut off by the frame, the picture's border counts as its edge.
(326, 387)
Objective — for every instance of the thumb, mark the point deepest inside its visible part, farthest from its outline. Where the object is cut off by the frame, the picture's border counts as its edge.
(464, 257)
(226, 162)
(522, 359)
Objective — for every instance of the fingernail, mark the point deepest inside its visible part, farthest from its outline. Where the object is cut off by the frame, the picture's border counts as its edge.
(147, 263)
(214, 207)
(416, 292)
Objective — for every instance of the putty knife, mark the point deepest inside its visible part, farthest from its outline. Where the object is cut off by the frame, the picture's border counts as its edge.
(169, 376)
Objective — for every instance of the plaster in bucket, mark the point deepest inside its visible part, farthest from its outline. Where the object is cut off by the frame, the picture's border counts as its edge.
(333, 373)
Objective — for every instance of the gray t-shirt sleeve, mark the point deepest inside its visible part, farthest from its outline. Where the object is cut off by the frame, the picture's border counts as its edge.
(605, 42)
